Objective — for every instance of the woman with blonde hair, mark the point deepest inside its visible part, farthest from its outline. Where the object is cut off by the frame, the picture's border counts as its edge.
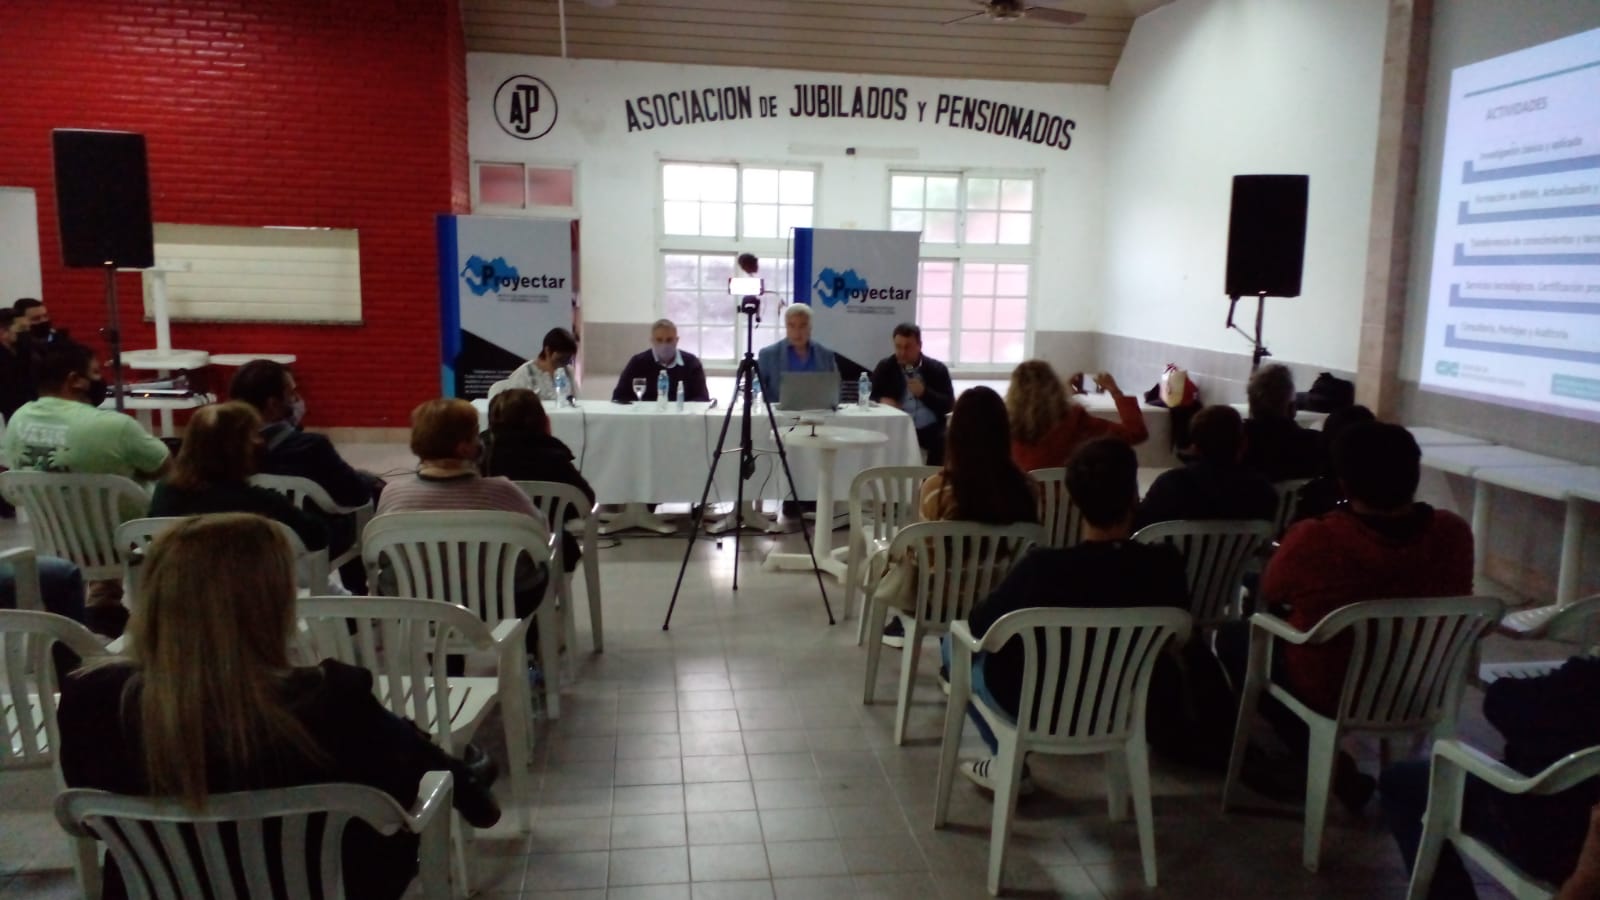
(207, 701)
(1046, 426)
(211, 474)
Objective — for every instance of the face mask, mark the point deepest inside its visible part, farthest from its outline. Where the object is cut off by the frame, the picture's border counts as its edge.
(40, 329)
(666, 353)
(297, 411)
(97, 391)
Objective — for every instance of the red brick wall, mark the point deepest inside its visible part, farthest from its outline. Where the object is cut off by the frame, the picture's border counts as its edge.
(348, 114)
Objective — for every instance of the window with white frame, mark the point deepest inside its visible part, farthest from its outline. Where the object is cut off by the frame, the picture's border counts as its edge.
(975, 275)
(504, 187)
(710, 213)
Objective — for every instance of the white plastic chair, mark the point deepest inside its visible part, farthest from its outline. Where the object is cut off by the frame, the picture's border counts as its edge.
(469, 558)
(405, 643)
(1575, 623)
(1215, 557)
(956, 564)
(553, 499)
(1453, 761)
(1408, 666)
(149, 837)
(1085, 678)
(301, 491)
(883, 500)
(134, 536)
(76, 516)
(28, 692)
(1288, 503)
(1062, 521)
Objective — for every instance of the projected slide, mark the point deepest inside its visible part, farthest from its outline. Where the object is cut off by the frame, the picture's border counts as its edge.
(1514, 301)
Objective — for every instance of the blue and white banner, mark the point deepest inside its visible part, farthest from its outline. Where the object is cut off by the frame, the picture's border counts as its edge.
(503, 283)
(860, 285)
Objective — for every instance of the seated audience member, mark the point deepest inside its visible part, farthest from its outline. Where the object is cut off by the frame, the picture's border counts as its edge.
(1275, 444)
(60, 587)
(1105, 570)
(1322, 493)
(1212, 485)
(207, 702)
(1046, 426)
(979, 482)
(444, 436)
(919, 385)
(1543, 836)
(797, 352)
(683, 369)
(213, 469)
(16, 370)
(66, 431)
(36, 326)
(519, 446)
(557, 353)
(1382, 544)
(270, 388)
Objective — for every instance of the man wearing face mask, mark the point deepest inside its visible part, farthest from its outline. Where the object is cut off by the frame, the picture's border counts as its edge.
(16, 369)
(288, 450)
(557, 353)
(66, 431)
(33, 327)
(683, 369)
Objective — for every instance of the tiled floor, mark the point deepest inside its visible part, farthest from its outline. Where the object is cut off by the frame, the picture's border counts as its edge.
(731, 757)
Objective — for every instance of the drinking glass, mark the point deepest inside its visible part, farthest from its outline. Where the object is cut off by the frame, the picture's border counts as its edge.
(638, 389)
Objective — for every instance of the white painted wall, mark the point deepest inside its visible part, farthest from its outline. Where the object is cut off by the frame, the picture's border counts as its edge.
(619, 180)
(1209, 89)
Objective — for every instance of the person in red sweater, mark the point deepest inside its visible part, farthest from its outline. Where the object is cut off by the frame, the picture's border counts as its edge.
(1380, 544)
(1046, 426)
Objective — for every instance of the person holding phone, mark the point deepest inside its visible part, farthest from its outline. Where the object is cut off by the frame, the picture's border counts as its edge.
(919, 385)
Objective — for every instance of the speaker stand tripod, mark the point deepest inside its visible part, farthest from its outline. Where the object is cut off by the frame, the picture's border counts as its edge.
(1260, 352)
(744, 399)
(113, 333)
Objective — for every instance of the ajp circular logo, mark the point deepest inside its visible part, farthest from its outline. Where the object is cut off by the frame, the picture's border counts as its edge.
(525, 107)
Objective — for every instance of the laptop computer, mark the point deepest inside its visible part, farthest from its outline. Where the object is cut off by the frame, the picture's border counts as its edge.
(809, 390)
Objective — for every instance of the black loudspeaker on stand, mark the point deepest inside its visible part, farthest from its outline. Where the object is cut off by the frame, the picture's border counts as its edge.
(1266, 245)
(103, 206)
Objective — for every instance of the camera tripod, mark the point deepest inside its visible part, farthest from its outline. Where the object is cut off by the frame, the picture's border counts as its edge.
(744, 390)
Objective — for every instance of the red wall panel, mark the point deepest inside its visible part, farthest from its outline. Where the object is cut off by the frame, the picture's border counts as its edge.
(262, 112)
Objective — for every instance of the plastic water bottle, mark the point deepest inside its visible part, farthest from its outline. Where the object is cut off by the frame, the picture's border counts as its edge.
(663, 387)
(681, 388)
(864, 390)
(561, 386)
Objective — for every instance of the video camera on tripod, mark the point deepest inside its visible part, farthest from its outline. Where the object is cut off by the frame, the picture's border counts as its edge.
(748, 287)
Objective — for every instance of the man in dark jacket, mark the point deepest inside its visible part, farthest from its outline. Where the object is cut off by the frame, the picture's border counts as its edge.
(270, 388)
(16, 372)
(1275, 444)
(918, 384)
(1105, 570)
(1213, 485)
(1542, 719)
(683, 369)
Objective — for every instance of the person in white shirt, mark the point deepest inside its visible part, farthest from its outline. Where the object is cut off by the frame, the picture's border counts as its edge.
(539, 374)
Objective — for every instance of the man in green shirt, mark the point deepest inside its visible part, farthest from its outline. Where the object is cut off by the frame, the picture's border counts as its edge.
(66, 431)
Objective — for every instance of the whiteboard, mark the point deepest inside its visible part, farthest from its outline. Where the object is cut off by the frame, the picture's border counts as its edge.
(19, 245)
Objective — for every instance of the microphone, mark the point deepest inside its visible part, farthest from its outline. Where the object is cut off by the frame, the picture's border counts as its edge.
(748, 263)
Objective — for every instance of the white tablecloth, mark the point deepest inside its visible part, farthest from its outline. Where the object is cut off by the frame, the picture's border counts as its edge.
(640, 454)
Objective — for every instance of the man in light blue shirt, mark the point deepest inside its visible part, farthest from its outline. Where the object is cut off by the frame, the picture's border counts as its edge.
(796, 353)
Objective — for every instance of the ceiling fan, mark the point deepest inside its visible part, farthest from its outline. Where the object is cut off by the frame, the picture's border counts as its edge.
(1012, 10)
